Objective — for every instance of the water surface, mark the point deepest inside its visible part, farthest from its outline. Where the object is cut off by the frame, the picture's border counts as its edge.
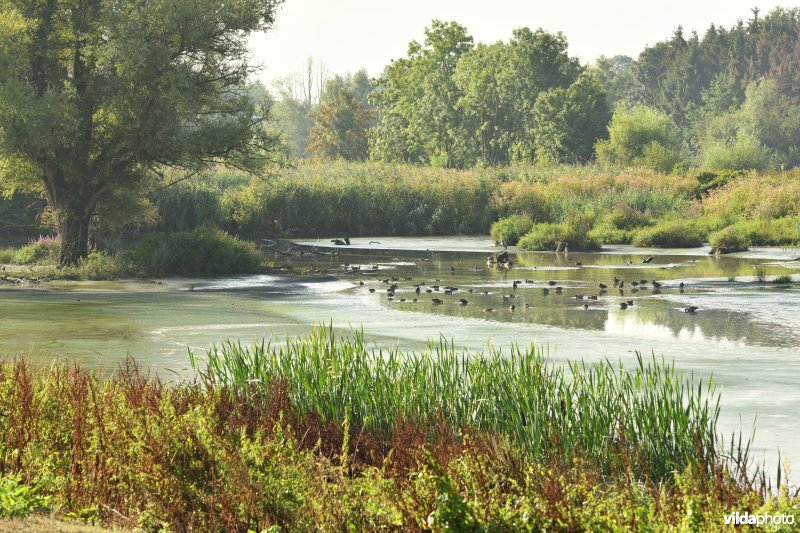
(745, 332)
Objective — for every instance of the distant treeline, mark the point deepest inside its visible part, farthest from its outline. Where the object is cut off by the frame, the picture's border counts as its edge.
(727, 99)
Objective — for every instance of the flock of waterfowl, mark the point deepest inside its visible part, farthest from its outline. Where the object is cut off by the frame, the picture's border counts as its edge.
(395, 292)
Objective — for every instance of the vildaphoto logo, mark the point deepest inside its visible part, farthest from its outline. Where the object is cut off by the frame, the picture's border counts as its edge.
(742, 519)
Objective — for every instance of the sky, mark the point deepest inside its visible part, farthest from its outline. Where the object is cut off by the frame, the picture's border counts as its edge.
(346, 35)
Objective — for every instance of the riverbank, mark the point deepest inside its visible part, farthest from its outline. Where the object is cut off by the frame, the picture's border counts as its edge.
(253, 445)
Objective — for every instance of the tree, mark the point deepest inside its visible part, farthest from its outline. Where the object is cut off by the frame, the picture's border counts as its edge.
(568, 122)
(297, 95)
(761, 133)
(340, 127)
(616, 76)
(415, 98)
(94, 95)
(641, 136)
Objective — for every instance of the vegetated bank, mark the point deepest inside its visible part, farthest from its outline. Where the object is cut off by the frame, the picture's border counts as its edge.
(535, 206)
(322, 433)
(586, 205)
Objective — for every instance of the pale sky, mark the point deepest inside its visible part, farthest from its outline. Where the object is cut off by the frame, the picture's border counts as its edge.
(350, 34)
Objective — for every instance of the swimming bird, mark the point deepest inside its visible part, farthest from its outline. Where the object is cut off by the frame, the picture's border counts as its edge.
(592, 297)
(512, 308)
(514, 284)
(551, 283)
(603, 286)
(372, 290)
(691, 309)
(463, 301)
(630, 303)
(680, 285)
(437, 301)
(656, 284)
(417, 289)
(527, 306)
(579, 296)
(487, 309)
(635, 283)
(585, 306)
(647, 259)
(559, 289)
(623, 306)
(340, 242)
(545, 291)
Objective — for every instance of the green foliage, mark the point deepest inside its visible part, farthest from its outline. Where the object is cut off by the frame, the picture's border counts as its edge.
(642, 136)
(418, 119)
(187, 207)
(783, 279)
(517, 394)
(42, 250)
(669, 234)
(730, 239)
(100, 94)
(19, 500)
(547, 236)
(258, 444)
(202, 251)
(567, 122)
(511, 229)
(340, 128)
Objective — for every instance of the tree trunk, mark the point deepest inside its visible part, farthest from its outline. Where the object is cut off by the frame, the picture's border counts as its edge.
(74, 234)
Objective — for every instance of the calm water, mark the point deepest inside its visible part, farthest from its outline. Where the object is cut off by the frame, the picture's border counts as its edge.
(746, 333)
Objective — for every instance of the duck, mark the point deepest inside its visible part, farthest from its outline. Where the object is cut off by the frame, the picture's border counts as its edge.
(340, 242)
(585, 307)
(463, 301)
(371, 289)
(559, 289)
(545, 291)
(656, 284)
(647, 259)
(603, 286)
(630, 303)
(512, 307)
(436, 301)
(551, 283)
(691, 309)
(487, 309)
(527, 306)
(623, 306)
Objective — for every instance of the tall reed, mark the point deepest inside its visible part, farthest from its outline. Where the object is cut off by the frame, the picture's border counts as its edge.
(652, 416)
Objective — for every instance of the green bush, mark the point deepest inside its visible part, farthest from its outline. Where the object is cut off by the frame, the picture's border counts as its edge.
(744, 153)
(777, 232)
(202, 251)
(609, 234)
(511, 229)
(641, 136)
(669, 234)
(19, 500)
(546, 237)
(730, 239)
(42, 250)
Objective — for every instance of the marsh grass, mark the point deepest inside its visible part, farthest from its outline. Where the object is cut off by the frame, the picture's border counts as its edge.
(652, 414)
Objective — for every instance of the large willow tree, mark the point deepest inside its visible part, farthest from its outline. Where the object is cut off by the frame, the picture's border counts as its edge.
(95, 95)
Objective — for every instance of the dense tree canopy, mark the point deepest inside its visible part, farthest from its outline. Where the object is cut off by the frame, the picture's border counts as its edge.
(94, 95)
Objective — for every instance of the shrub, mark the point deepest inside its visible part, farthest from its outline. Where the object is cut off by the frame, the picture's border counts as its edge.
(730, 239)
(783, 279)
(203, 251)
(511, 229)
(744, 153)
(642, 136)
(43, 249)
(669, 234)
(19, 500)
(609, 234)
(546, 237)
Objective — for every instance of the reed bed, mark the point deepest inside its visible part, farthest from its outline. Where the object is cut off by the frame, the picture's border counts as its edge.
(652, 415)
